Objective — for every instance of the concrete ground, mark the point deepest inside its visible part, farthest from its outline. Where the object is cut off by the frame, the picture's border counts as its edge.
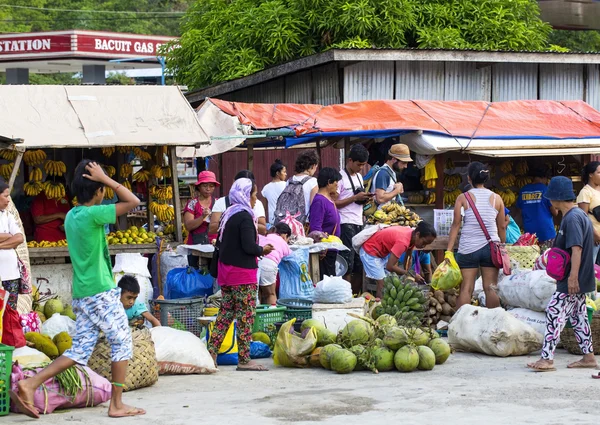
(468, 389)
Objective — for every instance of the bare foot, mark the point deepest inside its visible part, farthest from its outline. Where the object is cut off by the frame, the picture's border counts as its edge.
(542, 366)
(587, 362)
(251, 366)
(124, 411)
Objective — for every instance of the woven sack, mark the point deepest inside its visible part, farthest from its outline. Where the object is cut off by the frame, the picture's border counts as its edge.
(567, 337)
(525, 256)
(143, 367)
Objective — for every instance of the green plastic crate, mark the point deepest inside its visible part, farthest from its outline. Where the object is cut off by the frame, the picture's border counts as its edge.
(5, 370)
(265, 316)
(296, 308)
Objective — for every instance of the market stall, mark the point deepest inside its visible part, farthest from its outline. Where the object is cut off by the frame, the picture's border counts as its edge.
(132, 131)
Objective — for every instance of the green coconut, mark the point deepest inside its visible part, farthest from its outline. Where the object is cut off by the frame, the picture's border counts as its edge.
(326, 353)
(52, 307)
(378, 312)
(69, 313)
(356, 332)
(426, 358)
(343, 361)
(359, 351)
(406, 359)
(325, 337)
(312, 323)
(383, 358)
(419, 337)
(441, 349)
(396, 338)
(387, 320)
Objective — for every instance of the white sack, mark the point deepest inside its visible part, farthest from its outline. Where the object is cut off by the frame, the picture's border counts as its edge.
(180, 352)
(535, 319)
(131, 263)
(491, 331)
(361, 237)
(527, 289)
(57, 324)
(28, 357)
(170, 260)
(333, 290)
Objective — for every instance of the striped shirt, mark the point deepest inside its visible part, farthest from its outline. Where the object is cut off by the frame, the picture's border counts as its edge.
(472, 237)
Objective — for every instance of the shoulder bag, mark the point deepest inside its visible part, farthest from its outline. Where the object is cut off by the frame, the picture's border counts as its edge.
(500, 257)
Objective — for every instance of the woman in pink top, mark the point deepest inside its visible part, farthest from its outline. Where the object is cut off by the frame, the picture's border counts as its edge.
(268, 266)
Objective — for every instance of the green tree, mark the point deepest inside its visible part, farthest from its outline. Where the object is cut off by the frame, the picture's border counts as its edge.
(226, 39)
(576, 41)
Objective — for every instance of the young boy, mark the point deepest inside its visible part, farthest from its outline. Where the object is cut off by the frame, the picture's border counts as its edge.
(136, 310)
(268, 266)
(96, 298)
(420, 264)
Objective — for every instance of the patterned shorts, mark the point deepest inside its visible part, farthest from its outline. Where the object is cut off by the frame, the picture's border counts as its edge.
(101, 313)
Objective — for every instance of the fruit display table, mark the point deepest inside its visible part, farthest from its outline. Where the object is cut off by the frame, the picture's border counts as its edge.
(63, 251)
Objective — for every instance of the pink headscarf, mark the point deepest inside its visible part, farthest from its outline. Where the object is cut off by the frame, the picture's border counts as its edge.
(239, 198)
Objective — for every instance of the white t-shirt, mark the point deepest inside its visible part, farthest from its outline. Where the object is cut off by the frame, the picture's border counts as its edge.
(352, 213)
(308, 186)
(8, 257)
(271, 192)
(219, 207)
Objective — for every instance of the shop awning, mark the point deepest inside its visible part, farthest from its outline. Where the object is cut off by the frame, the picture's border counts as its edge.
(97, 116)
(429, 127)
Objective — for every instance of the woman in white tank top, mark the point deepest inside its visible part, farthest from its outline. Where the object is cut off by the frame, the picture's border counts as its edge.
(473, 247)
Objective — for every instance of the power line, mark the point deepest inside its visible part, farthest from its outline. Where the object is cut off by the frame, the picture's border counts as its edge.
(90, 19)
(91, 11)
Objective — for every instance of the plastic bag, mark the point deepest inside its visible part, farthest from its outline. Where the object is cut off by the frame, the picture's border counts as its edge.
(447, 275)
(495, 332)
(187, 282)
(296, 226)
(430, 170)
(292, 349)
(295, 281)
(180, 352)
(28, 357)
(259, 350)
(531, 289)
(31, 322)
(57, 324)
(513, 232)
(333, 290)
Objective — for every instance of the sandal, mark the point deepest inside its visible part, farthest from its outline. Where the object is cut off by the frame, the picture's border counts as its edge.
(23, 406)
(579, 365)
(133, 412)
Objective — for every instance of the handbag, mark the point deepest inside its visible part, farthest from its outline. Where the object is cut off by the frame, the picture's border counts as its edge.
(558, 263)
(596, 213)
(500, 257)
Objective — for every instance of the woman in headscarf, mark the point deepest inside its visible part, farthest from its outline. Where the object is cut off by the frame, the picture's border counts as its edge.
(237, 270)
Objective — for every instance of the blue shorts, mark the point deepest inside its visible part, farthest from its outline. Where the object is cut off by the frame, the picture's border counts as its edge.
(102, 312)
(480, 258)
(374, 266)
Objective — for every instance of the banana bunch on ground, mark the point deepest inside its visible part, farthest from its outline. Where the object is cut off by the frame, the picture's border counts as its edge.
(508, 180)
(522, 181)
(156, 171)
(36, 175)
(142, 176)
(403, 300)
(394, 213)
(108, 152)
(431, 198)
(108, 193)
(452, 181)
(507, 166)
(35, 157)
(162, 193)
(55, 168)
(142, 154)
(127, 185)
(110, 170)
(164, 212)
(124, 149)
(8, 154)
(508, 197)
(451, 196)
(126, 170)
(6, 170)
(54, 190)
(33, 188)
(522, 168)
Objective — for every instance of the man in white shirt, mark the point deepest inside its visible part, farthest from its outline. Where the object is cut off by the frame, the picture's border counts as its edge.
(222, 204)
(352, 197)
(11, 237)
(386, 188)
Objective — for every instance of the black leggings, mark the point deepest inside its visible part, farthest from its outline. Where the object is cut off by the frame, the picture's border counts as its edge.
(327, 264)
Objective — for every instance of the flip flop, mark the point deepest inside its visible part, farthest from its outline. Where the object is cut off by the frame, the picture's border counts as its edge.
(542, 369)
(596, 376)
(23, 406)
(579, 365)
(134, 412)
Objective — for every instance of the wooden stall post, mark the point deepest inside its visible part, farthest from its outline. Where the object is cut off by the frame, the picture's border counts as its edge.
(440, 164)
(319, 151)
(250, 157)
(221, 190)
(176, 201)
(15, 170)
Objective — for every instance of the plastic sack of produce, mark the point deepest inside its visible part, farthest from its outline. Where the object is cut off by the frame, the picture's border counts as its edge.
(333, 290)
(291, 348)
(530, 289)
(535, 319)
(180, 352)
(447, 275)
(57, 324)
(187, 282)
(495, 332)
(295, 281)
(51, 395)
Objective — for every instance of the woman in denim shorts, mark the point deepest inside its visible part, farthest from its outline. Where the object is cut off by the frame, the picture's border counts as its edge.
(473, 247)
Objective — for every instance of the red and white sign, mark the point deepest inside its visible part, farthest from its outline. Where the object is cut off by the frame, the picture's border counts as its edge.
(15, 45)
(120, 45)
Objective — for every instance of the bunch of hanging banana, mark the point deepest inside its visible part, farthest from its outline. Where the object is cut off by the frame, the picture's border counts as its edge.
(452, 181)
(166, 172)
(522, 181)
(35, 175)
(8, 154)
(110, 170)
(156, 171)
(54, 190)
(142, 176)
(124, 149)
(508, 180)
(522, 168)
(162, 193)
(126, 170)
(108, 151)
(6, 170)
(506, 166)
(127, 185)
(35, 157)
(142, 154)
(108, 193)
(164, 212)
(431, 198)
(55, 168)
(449, 164)
(450, 197)
(33, 188)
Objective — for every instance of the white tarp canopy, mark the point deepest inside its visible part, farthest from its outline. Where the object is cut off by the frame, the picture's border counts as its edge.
(99, 116)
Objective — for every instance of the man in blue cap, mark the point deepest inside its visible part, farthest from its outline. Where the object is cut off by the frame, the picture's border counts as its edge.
(576, 238)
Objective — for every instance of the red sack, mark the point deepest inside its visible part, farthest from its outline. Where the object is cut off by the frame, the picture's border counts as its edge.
(12, 331)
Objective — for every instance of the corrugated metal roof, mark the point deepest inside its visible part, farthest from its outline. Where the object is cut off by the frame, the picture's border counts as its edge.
(561, 82)
(467, 81)
(514, 81)
(420, 80)
(368, 81)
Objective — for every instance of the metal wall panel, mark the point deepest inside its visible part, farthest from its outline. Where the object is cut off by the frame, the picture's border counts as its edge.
(467, 81)
(326, 85)
(561, 81)
(369, 81)
(269, 92)
(514, 81)
(419, 80)
(593, 86)
(298, 87)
